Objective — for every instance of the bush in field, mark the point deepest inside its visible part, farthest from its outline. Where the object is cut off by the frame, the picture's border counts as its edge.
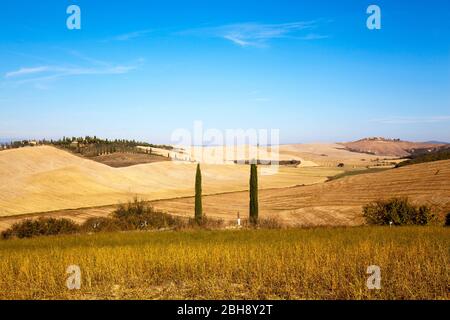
(270, 223)
(205, 223)
(40, 227)
(102, 224)
(138, 215)
(398, 211)
(130, 209)
(447, 220)
(135, 215)
(263, 223)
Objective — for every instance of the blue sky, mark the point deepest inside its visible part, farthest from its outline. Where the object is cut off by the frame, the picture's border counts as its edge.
(141, 69)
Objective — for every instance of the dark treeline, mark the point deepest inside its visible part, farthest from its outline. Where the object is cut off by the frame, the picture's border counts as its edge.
(421, 156)
(17, 144)
(89, 146)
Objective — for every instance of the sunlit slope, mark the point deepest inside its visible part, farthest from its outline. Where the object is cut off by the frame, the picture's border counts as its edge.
(333, 203)
(329, 154)
(385, 147)
(45, 178)
(310, 155)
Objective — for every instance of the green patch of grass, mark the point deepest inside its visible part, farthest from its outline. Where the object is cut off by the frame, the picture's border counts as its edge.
(438, 155)
(355, 172)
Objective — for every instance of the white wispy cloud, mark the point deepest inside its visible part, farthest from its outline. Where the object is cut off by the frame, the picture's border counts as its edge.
(59, 72)
(258, 34)
(40, 76)
(131, 35)
(314, 36)
(412, 120)
(239, 41)
(260, 99)
(120, 69)
(26, 71)
(86, 58)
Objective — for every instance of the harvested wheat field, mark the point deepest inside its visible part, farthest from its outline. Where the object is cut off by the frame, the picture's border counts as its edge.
(337, 202)
(40, 179)
(332, 154)
(312, 154)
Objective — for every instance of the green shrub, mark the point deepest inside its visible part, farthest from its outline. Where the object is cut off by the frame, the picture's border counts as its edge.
(40, 227)
(205, 223)
(263, 223)
(101, 224)
(270, 223)
(397, 211)
(422, 156)
(133, 208)
(151, 220)
(138, 215)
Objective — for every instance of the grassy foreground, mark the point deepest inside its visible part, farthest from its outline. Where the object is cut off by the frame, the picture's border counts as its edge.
(323, 263)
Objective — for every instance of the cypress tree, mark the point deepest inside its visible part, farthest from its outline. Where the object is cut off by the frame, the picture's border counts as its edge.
(253, 194)
(198, 196)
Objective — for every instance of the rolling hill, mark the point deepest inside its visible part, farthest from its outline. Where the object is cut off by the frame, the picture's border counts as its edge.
(337, 202)
(44, 178)
(387, 147)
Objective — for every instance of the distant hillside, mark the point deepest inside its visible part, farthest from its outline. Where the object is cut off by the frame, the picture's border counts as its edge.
(426, 155)
(115, 153)
(388, 147)
(437, 142)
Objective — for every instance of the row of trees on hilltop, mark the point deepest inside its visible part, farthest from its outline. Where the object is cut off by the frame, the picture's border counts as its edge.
(16, 144)
(253, 192)
(90, 146)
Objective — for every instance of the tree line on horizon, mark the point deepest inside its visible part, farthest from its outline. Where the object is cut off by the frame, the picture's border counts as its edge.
(89, 146)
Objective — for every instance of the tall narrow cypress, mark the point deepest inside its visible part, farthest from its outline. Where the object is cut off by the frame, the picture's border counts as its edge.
(253, 194)
(198, 196)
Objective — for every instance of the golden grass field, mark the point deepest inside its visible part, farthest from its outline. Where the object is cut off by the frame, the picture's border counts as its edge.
(320, 263)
